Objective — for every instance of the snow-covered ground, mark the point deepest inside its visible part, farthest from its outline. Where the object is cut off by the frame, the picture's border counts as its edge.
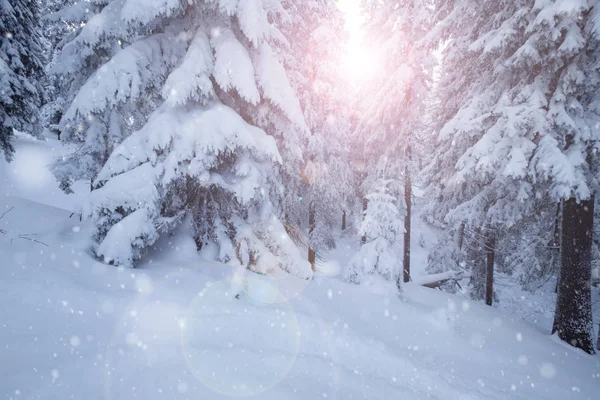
(71, 327)
(29, 177)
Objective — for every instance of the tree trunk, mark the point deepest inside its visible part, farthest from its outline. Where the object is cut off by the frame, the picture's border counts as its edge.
(461, 236)
(556, 238)
(363, 240)
(490, 250)
(407, 221)
(198, 218)
(58, 118)
(311, 228)
(573, 314)
(343, 220)
(556, 234)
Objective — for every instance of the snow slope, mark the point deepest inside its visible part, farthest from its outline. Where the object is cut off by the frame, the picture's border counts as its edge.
(71, 327)
(29, 177)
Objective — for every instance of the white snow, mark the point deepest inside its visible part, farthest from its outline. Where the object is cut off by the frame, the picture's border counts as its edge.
(28, 175)
(127, 75)
(72, 327)
(191, 80)
(273, 80)
(233, 68)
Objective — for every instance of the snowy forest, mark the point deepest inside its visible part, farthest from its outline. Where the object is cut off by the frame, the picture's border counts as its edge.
(300, 199)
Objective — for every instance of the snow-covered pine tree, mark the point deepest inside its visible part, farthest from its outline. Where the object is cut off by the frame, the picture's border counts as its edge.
(326, 180)
(382, 226)
(531, 248)
(199, 80)
(21, 70)
(111, 65)
(568, 156)
(477, 175)
(60, 19)
(519, 118)
(395, 102)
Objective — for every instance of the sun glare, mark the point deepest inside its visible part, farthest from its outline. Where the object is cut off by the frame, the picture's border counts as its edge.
(356, 61)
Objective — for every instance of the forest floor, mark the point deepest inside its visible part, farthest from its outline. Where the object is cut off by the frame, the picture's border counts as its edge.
(71, 327)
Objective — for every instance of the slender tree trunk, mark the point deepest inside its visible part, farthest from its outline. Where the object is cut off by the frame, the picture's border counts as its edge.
(407, 221)
(343, 220)
(59, 117)
(363, 240)
(573, 314)
(461, 236)
(475, 250)
(490, 249)
(311, 228)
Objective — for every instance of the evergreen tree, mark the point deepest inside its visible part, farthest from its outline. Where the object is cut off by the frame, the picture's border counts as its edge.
(198, 97)
(110, 75)
(393, 106)
(519, 123)
(316, 196)
(61, 18)
(382, 226)
(21, 70)
(532, 247)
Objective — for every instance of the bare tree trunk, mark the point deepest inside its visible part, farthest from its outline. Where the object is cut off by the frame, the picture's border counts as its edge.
(573, 314)
(311, 228)
(198, 219)
(461, 236)
(57, 120)
(363, 240)
(490, 249)
(344, 220)
(407, 220)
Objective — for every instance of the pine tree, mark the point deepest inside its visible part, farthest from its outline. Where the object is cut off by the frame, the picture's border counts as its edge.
(382, 227)
(61, 19)
(198, 99)
(532, 247)
(518, 122)
(314, 59)
(112, 77)
(21, 70)
(394, 102)
(485, 130)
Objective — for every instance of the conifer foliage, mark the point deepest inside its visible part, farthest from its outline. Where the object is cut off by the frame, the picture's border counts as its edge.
(21, 70)
(177, 106)
(391, 111)
(382, 226)
(324, 187)
(518, 127)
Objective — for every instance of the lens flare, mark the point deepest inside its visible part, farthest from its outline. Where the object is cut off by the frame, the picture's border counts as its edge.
(237, 347)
